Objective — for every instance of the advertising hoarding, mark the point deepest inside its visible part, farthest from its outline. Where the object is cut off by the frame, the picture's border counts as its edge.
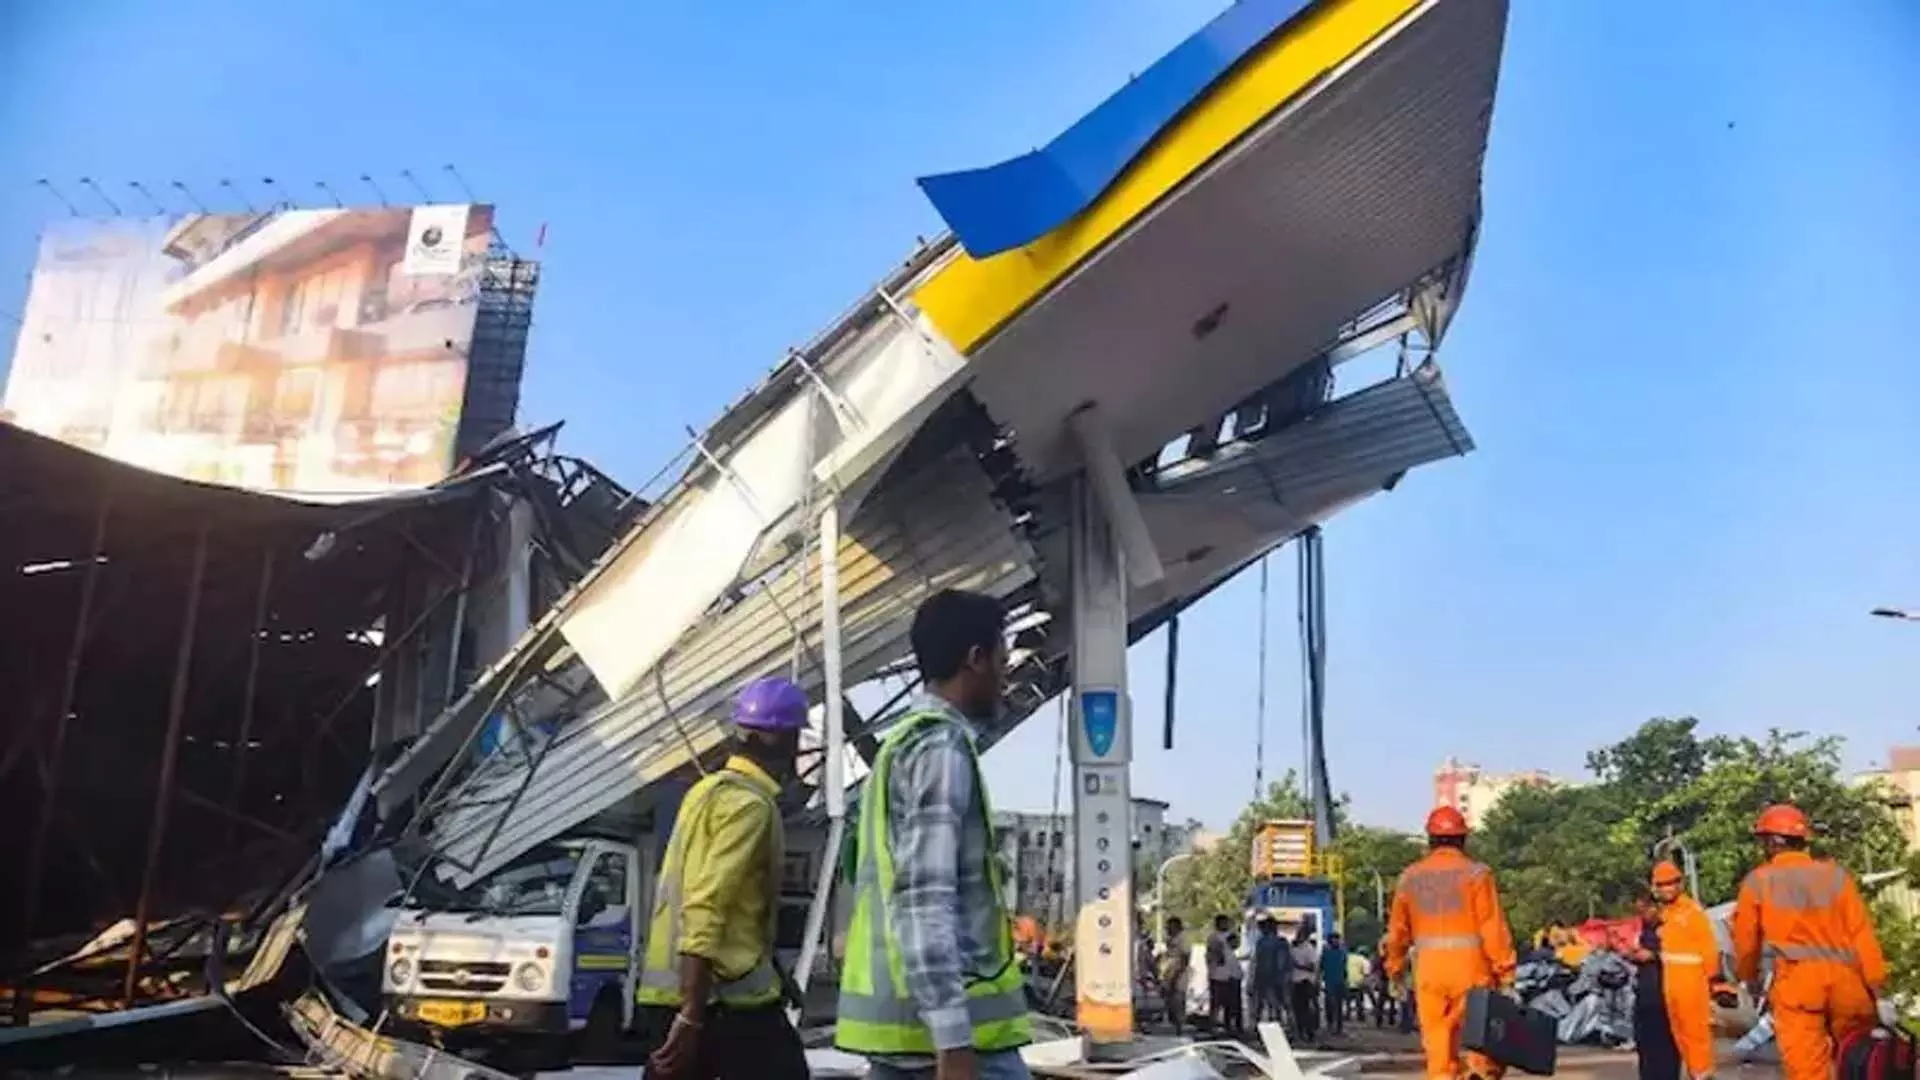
(319, 352)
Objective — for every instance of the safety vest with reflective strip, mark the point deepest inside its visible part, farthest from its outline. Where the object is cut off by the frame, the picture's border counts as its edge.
(660, 975)
(1809, 886)
(877, 1013)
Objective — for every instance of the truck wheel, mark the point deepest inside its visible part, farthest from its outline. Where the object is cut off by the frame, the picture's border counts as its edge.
(600, 1039)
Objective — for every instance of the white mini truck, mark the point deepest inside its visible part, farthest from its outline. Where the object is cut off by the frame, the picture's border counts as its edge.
(544, 947)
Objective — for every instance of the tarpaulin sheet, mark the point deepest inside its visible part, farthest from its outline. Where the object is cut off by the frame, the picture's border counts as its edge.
(1610, 933)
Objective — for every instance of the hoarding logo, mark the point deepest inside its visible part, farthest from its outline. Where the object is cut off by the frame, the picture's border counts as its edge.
(436, 233)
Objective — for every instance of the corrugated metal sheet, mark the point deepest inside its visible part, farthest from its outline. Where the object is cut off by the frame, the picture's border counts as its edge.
(1366, 437)
(630, 615)
(1348, 195)
(939, 529)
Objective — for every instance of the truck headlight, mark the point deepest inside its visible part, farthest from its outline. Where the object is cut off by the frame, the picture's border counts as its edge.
(400, 972)
(529, 977)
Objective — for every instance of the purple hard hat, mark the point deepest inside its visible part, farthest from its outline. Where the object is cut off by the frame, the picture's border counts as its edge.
(771, 704)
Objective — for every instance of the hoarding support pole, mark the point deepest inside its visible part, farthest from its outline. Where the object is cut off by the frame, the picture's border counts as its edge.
(460, 610)
(251, 694)
(169, 757)
(833, 740)
(1105, 532)
(49, 800)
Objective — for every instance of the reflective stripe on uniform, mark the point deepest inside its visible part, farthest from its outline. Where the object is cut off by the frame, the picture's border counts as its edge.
(659, 982)
(1681, 958)
(877, 1014)
(1800, 887)
(988, 1008)
(1814, 952)
(1447, 941)
(1439, 890)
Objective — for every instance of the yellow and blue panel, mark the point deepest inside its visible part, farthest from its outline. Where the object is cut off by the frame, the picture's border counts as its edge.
(1024, 223)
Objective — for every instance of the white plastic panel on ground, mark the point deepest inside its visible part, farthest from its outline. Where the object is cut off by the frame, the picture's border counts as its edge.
(937, 529)
(883, 380)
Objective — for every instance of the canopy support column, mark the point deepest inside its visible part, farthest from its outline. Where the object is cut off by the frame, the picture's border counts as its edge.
(1108, 545)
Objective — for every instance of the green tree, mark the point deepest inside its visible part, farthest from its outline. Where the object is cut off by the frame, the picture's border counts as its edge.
(1564, 854)
(1899, 938)
(1370, 862)
(1714, 814)
(1560, 854)
(1662, 756)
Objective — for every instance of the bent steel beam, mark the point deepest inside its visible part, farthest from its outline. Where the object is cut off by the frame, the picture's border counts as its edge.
(1108, 481)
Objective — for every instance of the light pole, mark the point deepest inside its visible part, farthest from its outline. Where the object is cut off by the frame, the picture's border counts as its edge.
(1160, 894)
(1896, 613)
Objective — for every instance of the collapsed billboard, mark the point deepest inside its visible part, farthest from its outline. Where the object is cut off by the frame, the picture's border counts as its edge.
(321, 352)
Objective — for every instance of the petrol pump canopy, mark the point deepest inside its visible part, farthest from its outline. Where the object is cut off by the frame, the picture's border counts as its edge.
(1229, 217)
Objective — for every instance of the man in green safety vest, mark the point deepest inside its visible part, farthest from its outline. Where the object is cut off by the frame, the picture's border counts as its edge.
(710, 997)
(929, 987)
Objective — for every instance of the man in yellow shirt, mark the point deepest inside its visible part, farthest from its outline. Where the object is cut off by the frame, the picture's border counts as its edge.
(709, 993)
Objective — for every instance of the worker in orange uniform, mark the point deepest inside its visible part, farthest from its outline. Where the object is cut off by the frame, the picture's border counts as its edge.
(1690, 969)
(1445, 907)
(1806, 916)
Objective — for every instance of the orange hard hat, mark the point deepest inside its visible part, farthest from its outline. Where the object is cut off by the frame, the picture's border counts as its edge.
(1446, 821)
(1781, 819)
(1665, 873)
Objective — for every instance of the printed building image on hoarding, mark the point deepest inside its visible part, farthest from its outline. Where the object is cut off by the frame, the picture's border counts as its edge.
(324, 352)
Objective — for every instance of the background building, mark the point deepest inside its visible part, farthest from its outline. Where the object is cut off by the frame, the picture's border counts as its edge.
(1037, 855)
(1899, 783)
(1473, 791)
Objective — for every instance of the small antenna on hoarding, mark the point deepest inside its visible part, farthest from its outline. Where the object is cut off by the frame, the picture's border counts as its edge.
(148, 195)
(87, 181)
(322, 185)
(192, 198)
(465, 189)
(238, 194)
(377, 193)
(407, 174)
(55, 192)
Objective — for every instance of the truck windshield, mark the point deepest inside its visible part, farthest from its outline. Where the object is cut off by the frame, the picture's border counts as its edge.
(533, 884)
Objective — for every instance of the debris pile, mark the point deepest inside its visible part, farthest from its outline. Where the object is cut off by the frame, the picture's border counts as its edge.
(1593, 1002)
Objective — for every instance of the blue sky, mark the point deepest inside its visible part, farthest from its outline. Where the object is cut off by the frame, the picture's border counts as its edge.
(1684, 353)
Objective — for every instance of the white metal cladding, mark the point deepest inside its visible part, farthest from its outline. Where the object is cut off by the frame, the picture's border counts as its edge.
(937, 529)
(638, 607)
(887, 369)
(1347, 194)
